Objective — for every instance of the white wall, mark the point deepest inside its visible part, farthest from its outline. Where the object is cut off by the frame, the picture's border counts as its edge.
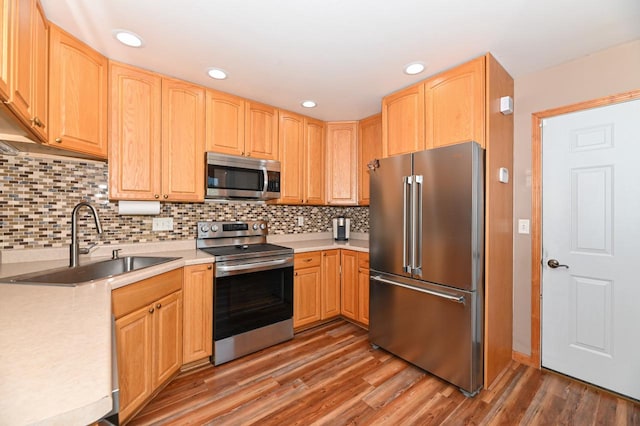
(611, 71)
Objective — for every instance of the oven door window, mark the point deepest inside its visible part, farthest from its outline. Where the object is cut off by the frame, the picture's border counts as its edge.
(249, 301)
(223, 177)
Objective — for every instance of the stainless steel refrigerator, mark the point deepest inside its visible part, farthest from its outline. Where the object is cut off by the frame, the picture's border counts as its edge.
(426, 257)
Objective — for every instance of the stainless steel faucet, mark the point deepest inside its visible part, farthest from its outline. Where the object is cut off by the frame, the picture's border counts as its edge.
(74, 248)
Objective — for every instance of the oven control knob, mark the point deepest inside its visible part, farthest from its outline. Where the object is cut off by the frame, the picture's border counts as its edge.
(214, 228)
(204, 228)
(263, 226)
(255, 226)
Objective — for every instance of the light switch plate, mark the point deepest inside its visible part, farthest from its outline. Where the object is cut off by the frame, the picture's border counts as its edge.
(523, 226)
(300, 220)
(163, 224)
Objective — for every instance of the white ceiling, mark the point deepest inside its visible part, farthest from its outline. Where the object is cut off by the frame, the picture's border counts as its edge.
(344, 54)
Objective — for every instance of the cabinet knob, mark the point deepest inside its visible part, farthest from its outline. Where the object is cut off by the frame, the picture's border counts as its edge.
(296, 274)
(36, 122)
(151, 310)
(209, 267)
(158, 306)
(165, 196)
(58, 140)
(156, 196)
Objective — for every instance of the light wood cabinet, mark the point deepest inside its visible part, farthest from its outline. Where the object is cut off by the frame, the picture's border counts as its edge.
(314, 162)
(225, 123)
(302, 151)
(156, 147)
(148, 330)
(197, 311)
(307, 283)
(330, 293)
(261, 131)
(349, 284)
(182, 141)
(454, 105)
(5, 52)
(369, 148)
(342, 160)
(28, 64)
(403, 121)
(291, 149)
(78, 88)
(363, 288)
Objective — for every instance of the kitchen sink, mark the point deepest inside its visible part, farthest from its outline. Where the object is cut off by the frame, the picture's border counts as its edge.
(89, 272)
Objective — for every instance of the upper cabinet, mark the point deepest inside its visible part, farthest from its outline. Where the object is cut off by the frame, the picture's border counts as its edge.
(342, 160)
(261, 131)
(5, 25)
(403, 121)
(301, 148)
(454, 103)
(28, 63)
(156, 147)
(369, 148)
(78, 87)
(225, 123)
(445, 109)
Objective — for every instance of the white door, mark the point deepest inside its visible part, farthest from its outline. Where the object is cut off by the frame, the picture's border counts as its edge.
(591, 224)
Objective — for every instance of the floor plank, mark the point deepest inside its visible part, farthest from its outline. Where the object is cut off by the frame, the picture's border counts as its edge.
(330, 375)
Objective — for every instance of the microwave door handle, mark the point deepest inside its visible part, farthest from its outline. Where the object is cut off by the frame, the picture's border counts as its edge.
(266, 181)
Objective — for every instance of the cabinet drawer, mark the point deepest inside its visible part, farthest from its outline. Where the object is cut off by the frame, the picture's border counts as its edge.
(306, 260)
(363, 260)
(129, 298)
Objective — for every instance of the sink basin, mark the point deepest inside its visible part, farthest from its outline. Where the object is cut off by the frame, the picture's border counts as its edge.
(89, 272)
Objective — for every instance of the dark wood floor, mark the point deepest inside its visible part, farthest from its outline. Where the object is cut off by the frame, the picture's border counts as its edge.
(331, 376)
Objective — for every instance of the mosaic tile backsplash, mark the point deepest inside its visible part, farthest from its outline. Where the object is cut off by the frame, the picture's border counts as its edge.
(37, 195)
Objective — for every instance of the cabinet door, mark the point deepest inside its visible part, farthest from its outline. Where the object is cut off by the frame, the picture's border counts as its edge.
(167, 338)
(314, 162)
(342, 163)
(369, 148)
(330, 284)
(40, 73)
(291, 150)
(78, 95)
(135, 138)
(21, 91)
(455, 105)
(197, 326)
(363, 288)
(225, 123)
(349, 285)
(5, 52)
(306, 296)
(133, 340)
(261, 131)
(403, 121)
(182, 141)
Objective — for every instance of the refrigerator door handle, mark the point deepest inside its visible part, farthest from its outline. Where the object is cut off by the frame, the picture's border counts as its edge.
(416, 260)
(407, 182)
(457, 299)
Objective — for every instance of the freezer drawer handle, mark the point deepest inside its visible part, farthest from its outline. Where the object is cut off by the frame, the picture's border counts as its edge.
(457, 299)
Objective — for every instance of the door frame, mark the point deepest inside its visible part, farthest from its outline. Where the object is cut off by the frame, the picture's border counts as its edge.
(536, 207)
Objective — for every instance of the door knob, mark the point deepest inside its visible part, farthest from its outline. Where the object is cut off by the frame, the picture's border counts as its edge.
(553, 264)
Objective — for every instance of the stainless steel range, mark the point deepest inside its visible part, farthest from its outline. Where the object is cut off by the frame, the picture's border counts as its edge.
(253, 288)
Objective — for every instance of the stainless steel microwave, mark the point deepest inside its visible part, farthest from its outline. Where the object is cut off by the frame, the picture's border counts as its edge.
(230, 177)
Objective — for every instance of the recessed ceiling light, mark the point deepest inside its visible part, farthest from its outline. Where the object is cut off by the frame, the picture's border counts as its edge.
(217, 73)
(128, 38)
(414, 68)
(309, 104)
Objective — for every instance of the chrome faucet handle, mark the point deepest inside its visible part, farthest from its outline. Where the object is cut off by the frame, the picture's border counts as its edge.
(87, 250)
(115, 254)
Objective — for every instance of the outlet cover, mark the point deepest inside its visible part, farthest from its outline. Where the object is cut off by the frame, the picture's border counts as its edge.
(300, 220)
(163, 224)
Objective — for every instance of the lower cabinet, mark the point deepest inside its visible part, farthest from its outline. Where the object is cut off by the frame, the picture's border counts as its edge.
(197, 324)
(148, 331)
(328, 284)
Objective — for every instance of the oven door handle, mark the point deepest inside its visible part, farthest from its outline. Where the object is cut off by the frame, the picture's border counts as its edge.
(257, 266)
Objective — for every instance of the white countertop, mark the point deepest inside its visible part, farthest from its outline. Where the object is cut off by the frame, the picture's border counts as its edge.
(55, 341)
